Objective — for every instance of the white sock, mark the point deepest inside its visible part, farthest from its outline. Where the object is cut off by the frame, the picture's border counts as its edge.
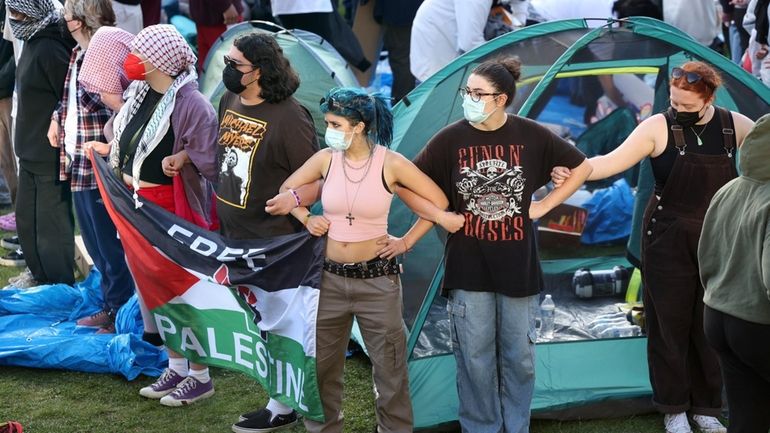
(179, 365)
(201, 376)
(277, 408)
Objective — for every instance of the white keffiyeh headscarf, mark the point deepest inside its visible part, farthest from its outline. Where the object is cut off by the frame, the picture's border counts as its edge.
(167, 50)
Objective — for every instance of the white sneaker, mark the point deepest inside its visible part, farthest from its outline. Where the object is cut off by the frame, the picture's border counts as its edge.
(708, 424)
(677, 423)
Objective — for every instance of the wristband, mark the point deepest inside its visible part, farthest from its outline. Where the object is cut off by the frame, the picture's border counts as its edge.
(296, 196)
(306, 219)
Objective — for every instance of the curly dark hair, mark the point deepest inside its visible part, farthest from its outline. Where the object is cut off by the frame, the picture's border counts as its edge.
(277, 79)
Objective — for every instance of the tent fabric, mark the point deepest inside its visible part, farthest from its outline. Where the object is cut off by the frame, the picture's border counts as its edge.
(37, 329)
(609, 214)
(607, 134)
(319, 66)
(571, 374)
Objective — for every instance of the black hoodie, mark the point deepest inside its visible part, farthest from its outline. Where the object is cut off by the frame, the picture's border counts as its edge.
(40, 78)
(7, 61)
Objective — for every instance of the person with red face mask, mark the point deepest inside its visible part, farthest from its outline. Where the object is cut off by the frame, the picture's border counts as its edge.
(164, 148)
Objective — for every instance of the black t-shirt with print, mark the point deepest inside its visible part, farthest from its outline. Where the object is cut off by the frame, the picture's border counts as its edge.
(259, 147)
(489, 176)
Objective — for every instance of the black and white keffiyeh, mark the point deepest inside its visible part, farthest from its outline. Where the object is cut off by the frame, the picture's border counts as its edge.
(40, 13)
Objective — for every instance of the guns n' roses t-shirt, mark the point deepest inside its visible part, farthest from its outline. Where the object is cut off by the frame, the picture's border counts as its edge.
(259, 147)
(489, 176)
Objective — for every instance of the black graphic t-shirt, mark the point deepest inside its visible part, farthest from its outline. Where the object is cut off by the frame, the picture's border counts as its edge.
(489, 176)
(259, 147)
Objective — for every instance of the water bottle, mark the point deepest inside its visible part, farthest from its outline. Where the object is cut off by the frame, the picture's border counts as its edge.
(603, 322)
(608, 282)
(547, 313)
(620, 331)
(598, 330)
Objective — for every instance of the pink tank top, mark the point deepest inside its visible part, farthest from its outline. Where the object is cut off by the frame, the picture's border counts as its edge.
(357, 211)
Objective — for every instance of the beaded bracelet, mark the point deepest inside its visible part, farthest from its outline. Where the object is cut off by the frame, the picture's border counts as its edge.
(296, 197)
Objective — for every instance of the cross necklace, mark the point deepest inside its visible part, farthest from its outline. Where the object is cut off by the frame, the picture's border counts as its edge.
(357, 182)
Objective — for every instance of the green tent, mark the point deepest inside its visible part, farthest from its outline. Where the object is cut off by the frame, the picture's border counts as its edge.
(318, 64)
(579, 377)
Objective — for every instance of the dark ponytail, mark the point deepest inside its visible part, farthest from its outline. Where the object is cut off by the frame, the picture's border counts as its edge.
(502, 73)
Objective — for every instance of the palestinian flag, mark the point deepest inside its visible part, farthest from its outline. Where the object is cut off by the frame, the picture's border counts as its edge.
(246, 305)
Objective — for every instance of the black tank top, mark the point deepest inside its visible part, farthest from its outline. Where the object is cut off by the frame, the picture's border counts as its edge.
(152, 170)
(713, 144)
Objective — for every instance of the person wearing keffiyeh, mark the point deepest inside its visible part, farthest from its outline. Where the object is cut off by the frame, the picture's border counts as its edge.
(102, 70)
(164, 148)
(44, 203)
(81, 117)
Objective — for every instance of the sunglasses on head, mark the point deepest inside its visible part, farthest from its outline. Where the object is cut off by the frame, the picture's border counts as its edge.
(691, 77)
(336, 106)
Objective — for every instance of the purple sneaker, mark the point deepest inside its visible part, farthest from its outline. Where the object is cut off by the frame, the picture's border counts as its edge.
(165, 384)
(189, 391)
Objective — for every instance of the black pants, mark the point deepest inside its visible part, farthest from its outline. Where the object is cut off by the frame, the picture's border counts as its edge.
(45, 225)
(332, 27)
(744, 357)
(397, 42)
(684, 370)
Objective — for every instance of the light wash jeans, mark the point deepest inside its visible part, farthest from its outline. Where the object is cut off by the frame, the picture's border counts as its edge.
(493, 338)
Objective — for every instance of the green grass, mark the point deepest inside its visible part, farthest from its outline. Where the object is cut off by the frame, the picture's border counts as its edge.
(46, 401)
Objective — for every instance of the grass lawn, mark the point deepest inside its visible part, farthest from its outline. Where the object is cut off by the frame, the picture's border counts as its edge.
(48, 401)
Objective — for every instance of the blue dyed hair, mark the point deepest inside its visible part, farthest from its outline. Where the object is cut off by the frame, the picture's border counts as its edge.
(357, 106)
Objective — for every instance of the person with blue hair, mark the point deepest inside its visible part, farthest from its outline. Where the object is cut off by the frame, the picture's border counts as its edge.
(361, 274)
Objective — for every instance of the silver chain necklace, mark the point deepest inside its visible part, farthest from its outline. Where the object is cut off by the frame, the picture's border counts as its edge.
(368, 165)
(697, 136)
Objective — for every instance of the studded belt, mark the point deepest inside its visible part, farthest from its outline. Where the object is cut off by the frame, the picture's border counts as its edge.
(372, 269)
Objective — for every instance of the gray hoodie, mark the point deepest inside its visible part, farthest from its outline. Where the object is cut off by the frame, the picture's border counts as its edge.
(734, 249)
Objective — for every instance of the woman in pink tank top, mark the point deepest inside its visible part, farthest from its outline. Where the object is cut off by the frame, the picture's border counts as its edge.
(360, 277)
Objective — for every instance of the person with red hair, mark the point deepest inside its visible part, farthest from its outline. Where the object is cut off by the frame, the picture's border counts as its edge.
(692, 148)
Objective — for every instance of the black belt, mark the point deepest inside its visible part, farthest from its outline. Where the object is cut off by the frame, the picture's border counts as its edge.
(372, 269)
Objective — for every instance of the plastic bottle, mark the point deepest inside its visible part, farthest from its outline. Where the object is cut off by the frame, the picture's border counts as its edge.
(547, 313)
(597, 331)
(620, 331)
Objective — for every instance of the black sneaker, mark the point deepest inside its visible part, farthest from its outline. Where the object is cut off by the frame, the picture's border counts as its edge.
(262, 421)
(14, 259)
(10, 243)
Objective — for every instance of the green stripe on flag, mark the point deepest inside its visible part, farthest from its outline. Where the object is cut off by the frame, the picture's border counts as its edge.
(230, 339)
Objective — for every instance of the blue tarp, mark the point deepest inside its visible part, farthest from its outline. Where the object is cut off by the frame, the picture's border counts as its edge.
(37, 329)
(609, 214)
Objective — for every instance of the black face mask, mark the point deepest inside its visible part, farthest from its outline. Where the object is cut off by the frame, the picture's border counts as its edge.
(687, 118)
(232, 77)
(65, 31)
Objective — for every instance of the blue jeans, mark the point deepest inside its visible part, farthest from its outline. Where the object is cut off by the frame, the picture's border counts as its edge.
(736, 48)
(493, 338)
(104, 247)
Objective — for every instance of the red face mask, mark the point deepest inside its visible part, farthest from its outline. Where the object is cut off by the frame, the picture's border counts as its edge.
(134, 67)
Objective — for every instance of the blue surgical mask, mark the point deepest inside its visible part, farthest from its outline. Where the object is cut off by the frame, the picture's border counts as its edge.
(474, 111)
(335, 139)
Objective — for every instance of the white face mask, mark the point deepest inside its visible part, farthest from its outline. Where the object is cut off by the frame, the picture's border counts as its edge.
(336, 139)
(474, 111)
